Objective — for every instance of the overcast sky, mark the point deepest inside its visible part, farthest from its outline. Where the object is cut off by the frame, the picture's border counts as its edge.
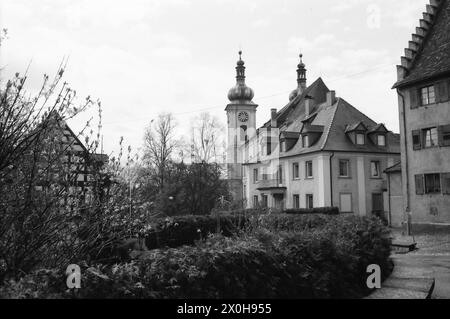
(143, 57)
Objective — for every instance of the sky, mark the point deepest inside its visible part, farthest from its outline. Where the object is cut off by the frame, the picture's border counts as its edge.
(145, 57)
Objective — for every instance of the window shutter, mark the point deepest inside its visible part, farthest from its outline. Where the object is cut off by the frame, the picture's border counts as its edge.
(414, 98)
(436, 92)
(443, 94)
(419, 184)
(445, 183)
(417, 141)
(440, 130)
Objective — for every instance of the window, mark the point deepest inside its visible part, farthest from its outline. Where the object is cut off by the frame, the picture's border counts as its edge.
(430, 137)
(381, 140)
(296, 203)
(432, 183)
(243, 135)
(309, 169)
(269, 146)
(360, 139)
(264, 200)
(255, 201)
(305, 141)
(280, 174)
(445, 183)
(427, 95)
(296, 171)
(255, 175)
(375, 169)
(419, 184)
(344, 168)
(309, 201)
(264, 173)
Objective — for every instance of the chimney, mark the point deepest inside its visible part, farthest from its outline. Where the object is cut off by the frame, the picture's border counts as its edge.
(331, 98)
(273, 117)
(308, 106)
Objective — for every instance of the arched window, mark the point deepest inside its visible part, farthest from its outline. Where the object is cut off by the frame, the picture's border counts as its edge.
(243, 133)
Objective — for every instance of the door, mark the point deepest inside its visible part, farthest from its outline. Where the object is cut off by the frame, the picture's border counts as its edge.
(377, 203)
(279, 201)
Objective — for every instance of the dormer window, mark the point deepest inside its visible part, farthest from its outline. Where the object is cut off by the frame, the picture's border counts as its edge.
(381, 140)
(311, 134)
(427, 95)
(356, 133)
(305, 141)
(360, 139)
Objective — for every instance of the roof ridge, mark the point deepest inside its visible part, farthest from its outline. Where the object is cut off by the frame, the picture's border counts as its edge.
(419, 39)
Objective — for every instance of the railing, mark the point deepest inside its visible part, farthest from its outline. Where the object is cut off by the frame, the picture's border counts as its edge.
(271, 183)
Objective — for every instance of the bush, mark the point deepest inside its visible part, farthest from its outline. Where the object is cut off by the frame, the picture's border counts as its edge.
(185, 230)
(318, 210)
(323, 262)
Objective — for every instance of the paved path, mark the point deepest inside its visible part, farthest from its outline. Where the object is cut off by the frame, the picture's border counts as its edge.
(432, 258)
(438, 265)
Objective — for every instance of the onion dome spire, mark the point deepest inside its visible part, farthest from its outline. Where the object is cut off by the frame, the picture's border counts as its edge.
(301, 79)
(240, 93)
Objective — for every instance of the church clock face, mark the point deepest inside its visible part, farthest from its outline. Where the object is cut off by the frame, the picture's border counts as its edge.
(243, 116)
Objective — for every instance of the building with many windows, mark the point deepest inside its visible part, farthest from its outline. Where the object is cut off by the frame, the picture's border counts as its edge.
(423, 88)
(317, 151)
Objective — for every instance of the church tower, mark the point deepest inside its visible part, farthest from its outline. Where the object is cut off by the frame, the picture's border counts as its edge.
(241, 115)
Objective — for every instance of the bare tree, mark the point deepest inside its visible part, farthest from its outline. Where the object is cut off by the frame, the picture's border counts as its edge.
(160, 146)
(207, 136)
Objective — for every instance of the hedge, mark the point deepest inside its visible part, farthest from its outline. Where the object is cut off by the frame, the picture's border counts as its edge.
(318, 210)
(323, 262)
(186, 230)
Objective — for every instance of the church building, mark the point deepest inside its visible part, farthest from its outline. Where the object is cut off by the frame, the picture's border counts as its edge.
(316, 151)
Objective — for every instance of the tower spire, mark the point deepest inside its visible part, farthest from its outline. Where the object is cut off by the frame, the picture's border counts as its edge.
(240, 69)
(301, 75)
(301, 79)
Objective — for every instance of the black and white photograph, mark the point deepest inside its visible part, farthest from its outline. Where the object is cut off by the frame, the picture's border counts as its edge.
(225, 155)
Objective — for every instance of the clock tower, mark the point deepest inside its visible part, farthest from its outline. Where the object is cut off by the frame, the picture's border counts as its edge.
(241, 114)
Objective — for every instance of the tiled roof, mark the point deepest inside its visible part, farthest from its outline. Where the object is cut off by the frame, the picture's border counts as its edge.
(428, 54)
(337, 138)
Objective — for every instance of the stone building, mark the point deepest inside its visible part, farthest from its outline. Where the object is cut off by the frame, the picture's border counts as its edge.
(423, 88)
(317, 151)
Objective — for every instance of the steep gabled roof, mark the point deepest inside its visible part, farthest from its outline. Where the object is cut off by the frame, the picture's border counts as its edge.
(317, 91)
(428, 54)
